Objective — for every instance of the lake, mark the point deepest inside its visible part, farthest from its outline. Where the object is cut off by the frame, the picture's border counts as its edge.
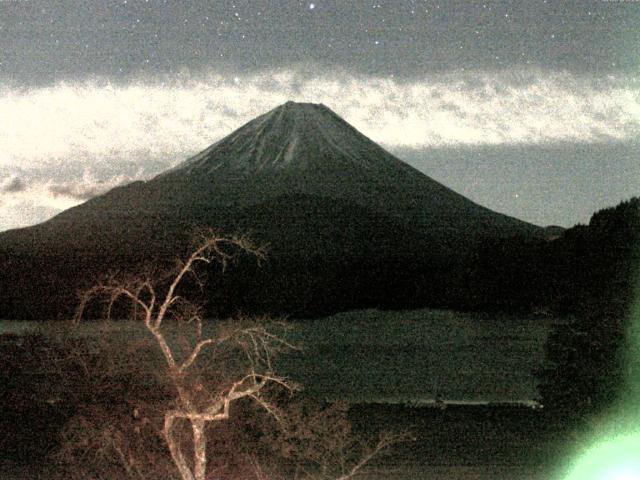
(410, 357)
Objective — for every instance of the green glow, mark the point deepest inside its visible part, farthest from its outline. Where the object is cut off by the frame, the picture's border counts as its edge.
(618, 459)
(615, 454)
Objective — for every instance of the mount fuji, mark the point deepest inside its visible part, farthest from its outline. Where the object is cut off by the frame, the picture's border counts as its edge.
(341, 216)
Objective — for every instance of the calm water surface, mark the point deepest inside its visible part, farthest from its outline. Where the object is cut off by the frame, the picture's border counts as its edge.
(407, 357)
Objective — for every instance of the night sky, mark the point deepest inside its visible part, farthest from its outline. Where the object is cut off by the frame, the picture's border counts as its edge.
(531, 108)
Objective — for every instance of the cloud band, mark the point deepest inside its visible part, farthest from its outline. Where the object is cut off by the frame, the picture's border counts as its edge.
(69, 141)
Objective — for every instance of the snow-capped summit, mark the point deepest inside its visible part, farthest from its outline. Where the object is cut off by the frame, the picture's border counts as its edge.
(307, 149)
(298, 136)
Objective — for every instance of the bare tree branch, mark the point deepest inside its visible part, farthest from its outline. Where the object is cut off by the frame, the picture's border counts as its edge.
(385, 441)
(194, 354)
(193, 402)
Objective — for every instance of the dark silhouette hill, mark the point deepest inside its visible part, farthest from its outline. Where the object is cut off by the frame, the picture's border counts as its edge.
(593, 358)
(322, 195)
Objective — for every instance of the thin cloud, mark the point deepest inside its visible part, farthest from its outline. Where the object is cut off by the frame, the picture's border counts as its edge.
(12, 184)
(77, 192)
(39, 199)
(100, 121)
(88, 186)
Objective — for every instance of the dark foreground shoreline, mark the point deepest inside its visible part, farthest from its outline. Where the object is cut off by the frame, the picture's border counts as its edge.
(451, 441)
(456, 442)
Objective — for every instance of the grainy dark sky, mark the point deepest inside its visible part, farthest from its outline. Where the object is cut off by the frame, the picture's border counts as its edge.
(529, 107)
(46, 41)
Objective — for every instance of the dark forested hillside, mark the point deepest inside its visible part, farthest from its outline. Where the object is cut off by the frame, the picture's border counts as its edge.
(566, 274)
(595, 285)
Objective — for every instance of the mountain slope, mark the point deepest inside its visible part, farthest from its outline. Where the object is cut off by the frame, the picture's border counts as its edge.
(299, 177)
(307, 148)
(295, 148)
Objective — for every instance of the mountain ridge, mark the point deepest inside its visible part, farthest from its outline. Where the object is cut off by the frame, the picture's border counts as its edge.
(308, 148)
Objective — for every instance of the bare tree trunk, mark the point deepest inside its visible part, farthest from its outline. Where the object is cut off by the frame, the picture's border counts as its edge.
(174, 448)
(199, 449)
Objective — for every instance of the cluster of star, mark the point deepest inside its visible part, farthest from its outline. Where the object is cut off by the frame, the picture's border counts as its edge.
(381, 24)
(381, 36)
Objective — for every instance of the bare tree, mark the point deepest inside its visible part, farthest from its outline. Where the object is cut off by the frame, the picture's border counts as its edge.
(153, 303)
(207, 369)
(319, 442)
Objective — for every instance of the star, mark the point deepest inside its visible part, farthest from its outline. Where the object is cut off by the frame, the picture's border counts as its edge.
(312, 6)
